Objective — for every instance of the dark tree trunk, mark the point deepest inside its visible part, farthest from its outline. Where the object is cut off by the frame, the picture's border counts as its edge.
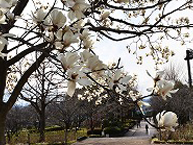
(66, 136)
(42, 126)
(2, 128)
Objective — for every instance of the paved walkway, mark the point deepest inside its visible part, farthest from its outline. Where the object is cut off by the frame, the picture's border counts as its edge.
(135, 136)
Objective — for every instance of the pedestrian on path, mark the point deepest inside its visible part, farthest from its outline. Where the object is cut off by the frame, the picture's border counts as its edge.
(146, 128)
(138, 124)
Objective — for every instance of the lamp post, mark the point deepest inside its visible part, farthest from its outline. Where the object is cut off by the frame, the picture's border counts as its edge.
(189, 55)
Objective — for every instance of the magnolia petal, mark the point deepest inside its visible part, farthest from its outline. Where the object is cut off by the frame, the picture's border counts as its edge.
(84, 81)
(117, 75)
(58, 18)
(145, 104)
(63, 60)
(169, 95)
(159, 74)
(174, 91)
(126, 79)
(71, 88)
(142, 110)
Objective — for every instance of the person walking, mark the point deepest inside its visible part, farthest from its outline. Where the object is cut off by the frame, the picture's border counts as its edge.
(146, 128)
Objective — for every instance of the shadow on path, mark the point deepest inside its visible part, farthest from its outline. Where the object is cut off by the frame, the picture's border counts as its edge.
(135, 136)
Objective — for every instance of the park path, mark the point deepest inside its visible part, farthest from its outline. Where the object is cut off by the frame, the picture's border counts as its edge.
(135, 136)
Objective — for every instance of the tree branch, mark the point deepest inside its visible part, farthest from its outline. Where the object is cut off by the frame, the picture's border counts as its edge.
(23, 80)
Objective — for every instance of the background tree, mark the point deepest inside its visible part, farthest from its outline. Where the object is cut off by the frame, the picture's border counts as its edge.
(42, 88)
(64, 113)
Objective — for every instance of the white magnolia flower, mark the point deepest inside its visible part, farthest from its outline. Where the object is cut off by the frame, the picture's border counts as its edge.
(57, 19)
(80, 24)
(104, 15)
(118, 79)
(140, 103)
(39, 15)
(157, 77)
(94, 64)
(69, 60)
(4, 42)
(88, 44)
(165, 88)
(65, 39)
(85, 55)
(76, 75)
(77, 8)
(167, 120)
(7, 4)
(2, 17)
(85, 34)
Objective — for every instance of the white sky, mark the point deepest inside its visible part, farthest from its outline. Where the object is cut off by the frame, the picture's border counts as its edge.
(110, 51)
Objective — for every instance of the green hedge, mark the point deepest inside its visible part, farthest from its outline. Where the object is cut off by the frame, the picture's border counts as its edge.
(113, 131)
(54, 128)
(96, 131)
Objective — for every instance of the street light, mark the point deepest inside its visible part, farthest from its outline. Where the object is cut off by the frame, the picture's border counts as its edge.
(189, 55)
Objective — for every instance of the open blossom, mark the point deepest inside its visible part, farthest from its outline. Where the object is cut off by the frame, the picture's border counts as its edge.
(69, 60)
(85, 37)
(4, 42)
(157, 77)
(140, 103)
(161, 86)
(2, 17)
(167, 120)
(7, 3)
(77, 8)
(94, 64)
(85, 34)
(104, 15)
(88, 44)
(79, 25)
(39, 15)
(5, 6)
(57, 19)
(66, 39)
(76, 75)
(165, 87)
(118, 79)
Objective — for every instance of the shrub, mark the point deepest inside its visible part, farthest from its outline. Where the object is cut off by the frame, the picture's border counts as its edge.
(54, 128)
(96, 131)
(114, 130)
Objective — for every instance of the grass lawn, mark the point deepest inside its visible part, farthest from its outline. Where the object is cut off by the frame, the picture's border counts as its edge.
(51, 137)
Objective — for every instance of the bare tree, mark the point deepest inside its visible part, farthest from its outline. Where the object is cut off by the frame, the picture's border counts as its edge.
(175, 72)
(41, 89)
(64, 113)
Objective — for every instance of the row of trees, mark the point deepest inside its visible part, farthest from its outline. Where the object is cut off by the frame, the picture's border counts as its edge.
(32, 31)
(68, 112)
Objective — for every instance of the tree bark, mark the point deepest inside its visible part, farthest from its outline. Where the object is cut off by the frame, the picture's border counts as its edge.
(42, 126)
(66, 134)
